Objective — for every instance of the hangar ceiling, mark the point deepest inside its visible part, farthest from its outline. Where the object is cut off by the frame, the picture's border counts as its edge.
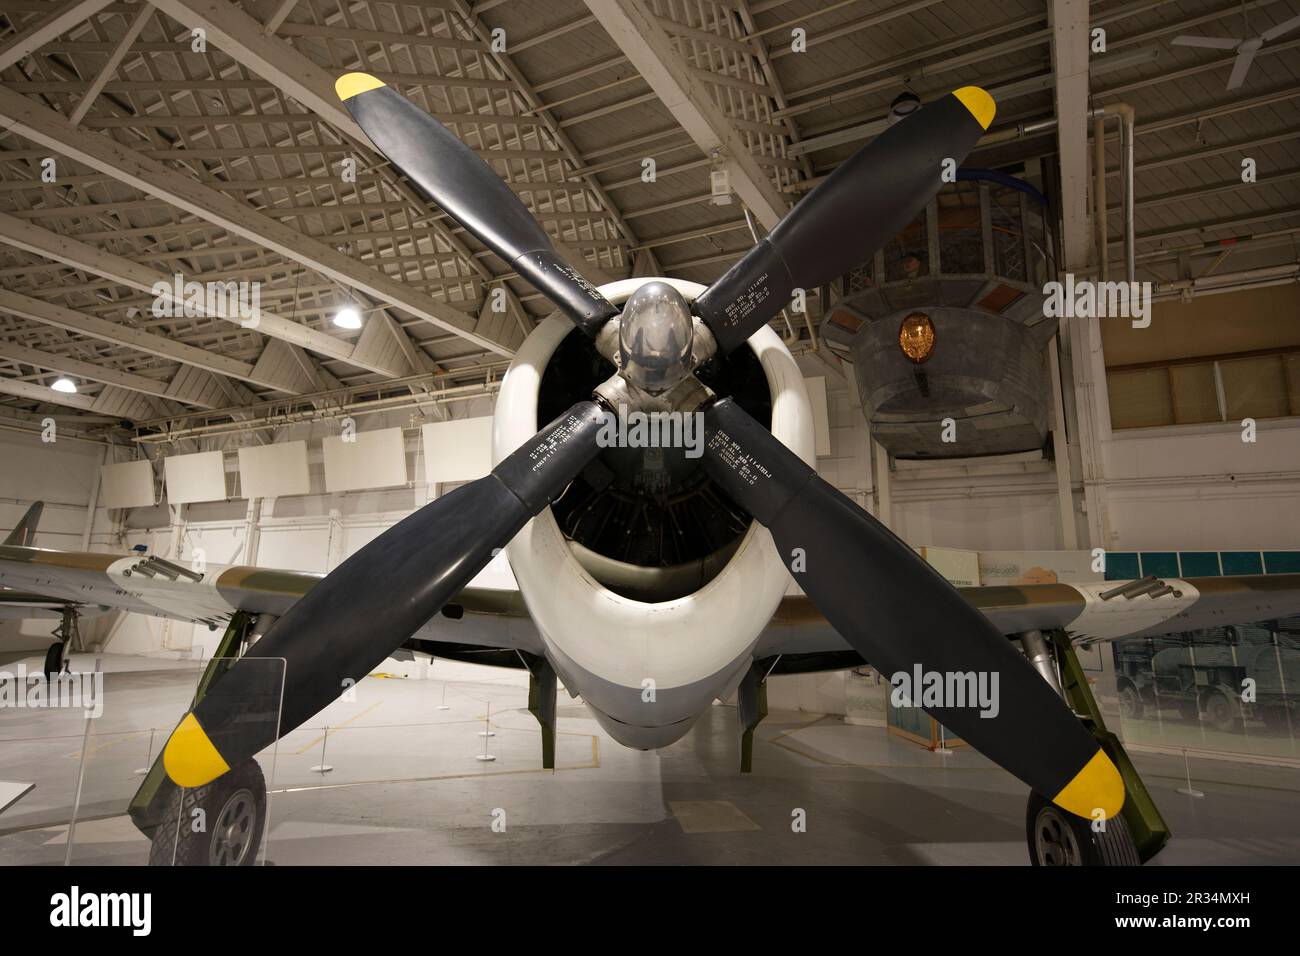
(231, 159)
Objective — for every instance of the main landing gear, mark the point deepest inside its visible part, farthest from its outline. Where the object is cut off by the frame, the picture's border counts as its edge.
(221, 823)
(1058, 838)
(67, 638)
(218, 824)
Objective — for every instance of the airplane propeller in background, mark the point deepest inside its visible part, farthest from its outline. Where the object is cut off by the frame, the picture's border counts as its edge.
(888, 603)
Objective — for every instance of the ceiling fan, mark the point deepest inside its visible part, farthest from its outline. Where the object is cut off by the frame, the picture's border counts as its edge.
(1246, 49)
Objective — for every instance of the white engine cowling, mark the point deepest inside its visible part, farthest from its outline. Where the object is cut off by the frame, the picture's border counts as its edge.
(646, 670)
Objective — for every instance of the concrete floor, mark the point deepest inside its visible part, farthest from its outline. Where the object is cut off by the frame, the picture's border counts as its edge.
(406, 787)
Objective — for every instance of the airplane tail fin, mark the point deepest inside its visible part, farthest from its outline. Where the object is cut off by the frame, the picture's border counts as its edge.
(24, 533)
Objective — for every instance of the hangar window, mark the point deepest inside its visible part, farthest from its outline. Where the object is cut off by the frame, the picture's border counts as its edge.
(1216, 389)
(1215, 358)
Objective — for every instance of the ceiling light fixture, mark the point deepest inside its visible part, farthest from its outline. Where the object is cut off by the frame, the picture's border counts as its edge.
(905, 104)
(348, 318)
(65, 384)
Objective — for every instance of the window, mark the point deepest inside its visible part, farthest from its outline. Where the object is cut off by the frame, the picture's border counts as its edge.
(1140, 398)
(1254, 387)
(1221, 389)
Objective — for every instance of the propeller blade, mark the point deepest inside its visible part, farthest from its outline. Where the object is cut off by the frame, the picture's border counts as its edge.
(845, 219)
(366, 607)
(903, 617)
(450, 174)
(1241, 66)
(1207, 43)
(1286, 26)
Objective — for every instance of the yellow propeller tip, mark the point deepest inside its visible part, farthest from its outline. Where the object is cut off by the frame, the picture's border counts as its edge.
(1096, 791)
(189, 758)
(979, 103)
(350, 84)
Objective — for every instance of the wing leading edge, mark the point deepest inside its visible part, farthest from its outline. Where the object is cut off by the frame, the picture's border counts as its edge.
(491, 618)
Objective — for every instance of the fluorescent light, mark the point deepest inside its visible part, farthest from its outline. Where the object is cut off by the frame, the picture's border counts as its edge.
(348, 318)
(65, 384)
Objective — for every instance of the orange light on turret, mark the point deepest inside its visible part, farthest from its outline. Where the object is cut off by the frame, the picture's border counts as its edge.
(916, 337)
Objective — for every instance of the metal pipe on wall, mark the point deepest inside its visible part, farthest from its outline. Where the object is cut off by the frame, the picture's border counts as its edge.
(1100, 224)
(1221, 289)
(1126, 116)
(1230, 281)
(1126, 123)
(1127, 135)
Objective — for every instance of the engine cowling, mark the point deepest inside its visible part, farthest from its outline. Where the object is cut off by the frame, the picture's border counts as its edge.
(647, 641)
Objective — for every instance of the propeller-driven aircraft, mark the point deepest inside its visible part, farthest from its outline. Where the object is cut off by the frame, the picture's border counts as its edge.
(639, 565)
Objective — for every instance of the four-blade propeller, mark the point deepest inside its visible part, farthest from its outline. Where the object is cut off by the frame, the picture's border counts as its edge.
(890, 606)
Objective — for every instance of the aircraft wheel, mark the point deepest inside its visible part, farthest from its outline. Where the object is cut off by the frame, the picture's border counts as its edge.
(234, 816)
(1220, 711)
(54, 660)
(1059, 838)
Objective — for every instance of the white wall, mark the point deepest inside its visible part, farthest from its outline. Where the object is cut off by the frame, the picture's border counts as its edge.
(62, 473)
(1201, 487)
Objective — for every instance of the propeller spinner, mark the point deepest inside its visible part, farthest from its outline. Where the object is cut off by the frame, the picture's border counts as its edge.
(655, 335)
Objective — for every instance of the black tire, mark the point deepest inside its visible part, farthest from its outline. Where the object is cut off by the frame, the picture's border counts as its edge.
(234, 808)
(1220, 711)
(1057, 837)
(54, 660)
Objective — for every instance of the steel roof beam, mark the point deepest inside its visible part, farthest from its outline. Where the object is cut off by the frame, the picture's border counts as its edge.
(58, 316)
(301, 79)
(67, 365)
(26, 118)
(79, 255)
(63, 19)
(642, 37)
